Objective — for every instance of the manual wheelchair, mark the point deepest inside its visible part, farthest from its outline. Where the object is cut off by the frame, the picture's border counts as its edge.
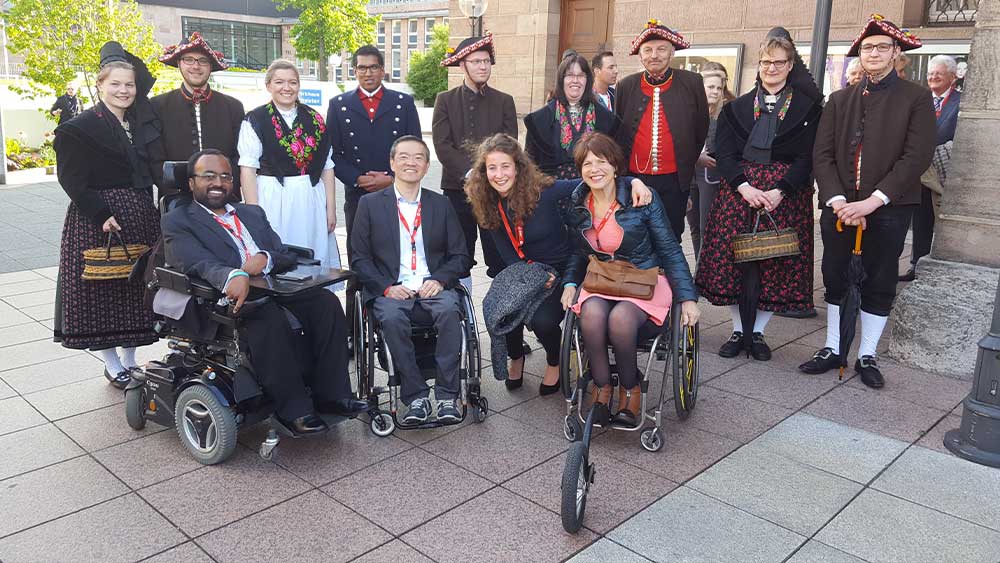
(370, 350)
(673, 344)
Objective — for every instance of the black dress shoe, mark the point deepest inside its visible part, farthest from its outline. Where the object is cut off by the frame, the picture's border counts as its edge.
(733, 346)
(303, 425)
(625, 418)
(910, 275)
(822, 361)
(514, 383)
(120, 380)
(759, 348)
(800, 314)
(867, 368)
(544, 389)
(342, 407)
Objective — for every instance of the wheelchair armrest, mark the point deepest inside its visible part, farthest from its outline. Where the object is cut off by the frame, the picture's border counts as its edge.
(183, 283)
(303, 255)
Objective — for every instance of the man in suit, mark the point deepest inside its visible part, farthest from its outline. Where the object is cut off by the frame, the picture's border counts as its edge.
(67, 106)
(664, 115)
(409, 253)
(941, 76)
(605, 77)
(463, 117)
(227, 244)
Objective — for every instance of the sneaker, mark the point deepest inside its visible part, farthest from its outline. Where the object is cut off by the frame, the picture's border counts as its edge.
(447, 411)
(822, 361)
(733, 346)
(759, 349)
(867, 368)
(420, 410)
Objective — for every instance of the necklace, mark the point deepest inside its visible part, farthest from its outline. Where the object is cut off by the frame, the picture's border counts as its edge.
(128, 130)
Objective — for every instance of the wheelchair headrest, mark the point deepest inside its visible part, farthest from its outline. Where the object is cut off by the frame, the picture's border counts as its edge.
(175, 175)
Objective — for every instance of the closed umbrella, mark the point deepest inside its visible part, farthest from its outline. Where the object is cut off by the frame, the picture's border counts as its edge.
(851, 303)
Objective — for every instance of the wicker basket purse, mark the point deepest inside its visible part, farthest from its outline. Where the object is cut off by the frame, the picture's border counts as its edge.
(112, 262)
(775, 243)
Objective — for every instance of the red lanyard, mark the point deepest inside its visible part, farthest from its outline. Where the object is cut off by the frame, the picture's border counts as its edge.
(944, 101)
(413, 233)
(607, 215)
(518, 242)
(237, 234)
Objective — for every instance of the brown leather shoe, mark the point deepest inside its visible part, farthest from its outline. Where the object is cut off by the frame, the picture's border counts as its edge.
(629, 407)
(603, 395)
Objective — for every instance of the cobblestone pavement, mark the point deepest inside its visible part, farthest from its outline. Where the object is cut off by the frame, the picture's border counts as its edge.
(771, 466)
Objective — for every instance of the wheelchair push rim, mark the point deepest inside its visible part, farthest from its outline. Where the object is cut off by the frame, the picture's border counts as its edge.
(685, 369)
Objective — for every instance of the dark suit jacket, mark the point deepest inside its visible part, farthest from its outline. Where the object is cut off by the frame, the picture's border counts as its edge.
(198, 246)
(71, 107)
(543, 132)
(375, 241)
(686, 110)
(948, 120)
(898, 142)
(462, 119)
(360, 144)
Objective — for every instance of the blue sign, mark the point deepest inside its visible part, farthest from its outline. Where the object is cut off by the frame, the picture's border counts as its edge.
(311, 97)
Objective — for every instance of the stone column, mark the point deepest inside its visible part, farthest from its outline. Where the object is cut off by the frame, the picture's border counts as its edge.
(940, 317)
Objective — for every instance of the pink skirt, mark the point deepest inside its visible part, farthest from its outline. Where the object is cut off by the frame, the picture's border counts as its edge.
(658, 307)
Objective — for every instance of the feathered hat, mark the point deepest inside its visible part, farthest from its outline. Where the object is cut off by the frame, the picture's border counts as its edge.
(656, 30)
(467, 47)
(878, 25)
(196, 43)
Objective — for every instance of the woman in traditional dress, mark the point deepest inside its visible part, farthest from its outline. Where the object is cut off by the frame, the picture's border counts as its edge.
(286, 166)
(554, 129)
(104, 169)
(705, 183)
(763, 148)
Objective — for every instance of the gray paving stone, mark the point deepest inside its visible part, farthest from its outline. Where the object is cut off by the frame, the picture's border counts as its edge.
(32, 448)
(75, 398)
(848, 452)
(393, 552)
(313, 527)
(878, 527)
(6, 391)
(217, 495)
(54, 491)
(185, 553)
(44, 312)
(17, 414)
(877, 411)
(786, 492)
(148, 460)
(28, 332)
(947, 483)
(934, 438)
(55, 373)
(28, 353)
(10, 316)
(19, 277)
(816, 552)
(23, 300)
(71, 538)
(29, 286)
(732, 415)
(605, 550)
(689, 526)
(103, 428)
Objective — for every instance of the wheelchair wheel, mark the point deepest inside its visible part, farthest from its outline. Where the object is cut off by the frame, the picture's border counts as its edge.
(578, 474)
(135, 407)
(651, 439)
(480, 410)
(572, 429)
(383, 425)
(572, 357)
(206, 427)
(685, 369)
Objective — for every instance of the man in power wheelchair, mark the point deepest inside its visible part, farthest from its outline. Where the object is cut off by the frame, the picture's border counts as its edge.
(232, 247)
(409, 252)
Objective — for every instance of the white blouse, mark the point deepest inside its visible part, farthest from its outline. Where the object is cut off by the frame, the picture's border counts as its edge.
(251, 149)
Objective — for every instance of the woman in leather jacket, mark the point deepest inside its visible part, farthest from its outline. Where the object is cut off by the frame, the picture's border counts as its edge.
(602, 222)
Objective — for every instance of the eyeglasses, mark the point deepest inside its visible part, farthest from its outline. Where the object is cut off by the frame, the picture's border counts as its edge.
(778, 65)
(367, 69)
(882, 47)
(414, 158)
(212, 176)
(577, 77)
(192, 61)
(477, 62)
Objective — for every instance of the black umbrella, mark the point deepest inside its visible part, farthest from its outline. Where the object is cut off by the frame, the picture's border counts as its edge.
(851, 303)
(749, 295)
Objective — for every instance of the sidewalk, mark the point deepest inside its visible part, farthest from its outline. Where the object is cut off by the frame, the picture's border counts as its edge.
(772, 465)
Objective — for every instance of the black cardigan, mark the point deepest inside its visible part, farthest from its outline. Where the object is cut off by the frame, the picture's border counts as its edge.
(542, 138)
(793, 142)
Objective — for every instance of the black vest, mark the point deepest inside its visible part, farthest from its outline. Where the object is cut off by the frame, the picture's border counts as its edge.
(276, 160)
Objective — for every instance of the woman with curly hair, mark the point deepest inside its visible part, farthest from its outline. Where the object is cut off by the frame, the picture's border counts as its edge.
(519, 205)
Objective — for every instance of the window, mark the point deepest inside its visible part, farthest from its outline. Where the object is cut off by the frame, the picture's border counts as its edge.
(350, 67)
(396, 60)
(397, 27)
(338, 74)
(247, 45)
(428, 32)
(730, 57)
(412, 35)
(380, 37)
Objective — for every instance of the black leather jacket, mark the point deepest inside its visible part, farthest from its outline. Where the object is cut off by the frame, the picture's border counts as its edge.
(648, 240)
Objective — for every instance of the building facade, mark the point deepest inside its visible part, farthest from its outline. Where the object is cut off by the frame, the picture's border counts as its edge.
(530, 35)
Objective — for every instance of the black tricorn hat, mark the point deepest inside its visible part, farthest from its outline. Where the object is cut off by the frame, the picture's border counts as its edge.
(112, 51)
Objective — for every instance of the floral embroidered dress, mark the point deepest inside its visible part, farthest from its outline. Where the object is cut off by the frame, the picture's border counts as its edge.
(290, 150)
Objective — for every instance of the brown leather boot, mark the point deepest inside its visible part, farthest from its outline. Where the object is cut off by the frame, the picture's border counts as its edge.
(603, 395)
(629, 407)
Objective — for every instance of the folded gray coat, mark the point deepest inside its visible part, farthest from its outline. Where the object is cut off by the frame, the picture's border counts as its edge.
(512, 300)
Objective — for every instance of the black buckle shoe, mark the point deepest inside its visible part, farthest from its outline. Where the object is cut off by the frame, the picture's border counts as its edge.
(120, 380)
(759, 348)
(910, 275)
(867, 368)
(732, 347)
(822, 361)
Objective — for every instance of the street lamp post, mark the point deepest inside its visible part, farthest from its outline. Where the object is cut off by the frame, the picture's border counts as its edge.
(474, 10)
(978, 437)
(821, 36)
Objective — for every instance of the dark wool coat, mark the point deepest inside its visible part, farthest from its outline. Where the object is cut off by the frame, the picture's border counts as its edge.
(543, 132)
(511, 301)
(462, 119)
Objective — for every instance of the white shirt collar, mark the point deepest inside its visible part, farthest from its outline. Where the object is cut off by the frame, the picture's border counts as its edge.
(229, 209)
(372, 93)
(399, 196)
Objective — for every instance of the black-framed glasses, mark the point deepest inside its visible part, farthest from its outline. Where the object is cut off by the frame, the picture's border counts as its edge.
(212, 176)
(366, 69)
(778, 65)
(191, 61)
(882, 47)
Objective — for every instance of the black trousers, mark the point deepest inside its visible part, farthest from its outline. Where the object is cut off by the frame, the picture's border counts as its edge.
(278, 367)
(545, 324)
(469, 226)
(923, 226)
(674, 199)
(881, 246)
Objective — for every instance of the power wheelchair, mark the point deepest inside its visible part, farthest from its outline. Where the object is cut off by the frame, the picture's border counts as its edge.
(205, 386)
(673, 344)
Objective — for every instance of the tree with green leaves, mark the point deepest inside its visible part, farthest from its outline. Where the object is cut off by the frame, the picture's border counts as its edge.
(426, 76)
(61, 39)
(329, 26)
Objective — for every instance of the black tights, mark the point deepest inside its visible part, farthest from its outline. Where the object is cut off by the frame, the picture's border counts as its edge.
(618, 322)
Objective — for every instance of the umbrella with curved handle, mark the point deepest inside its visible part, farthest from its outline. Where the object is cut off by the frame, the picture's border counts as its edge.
(851, 303)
